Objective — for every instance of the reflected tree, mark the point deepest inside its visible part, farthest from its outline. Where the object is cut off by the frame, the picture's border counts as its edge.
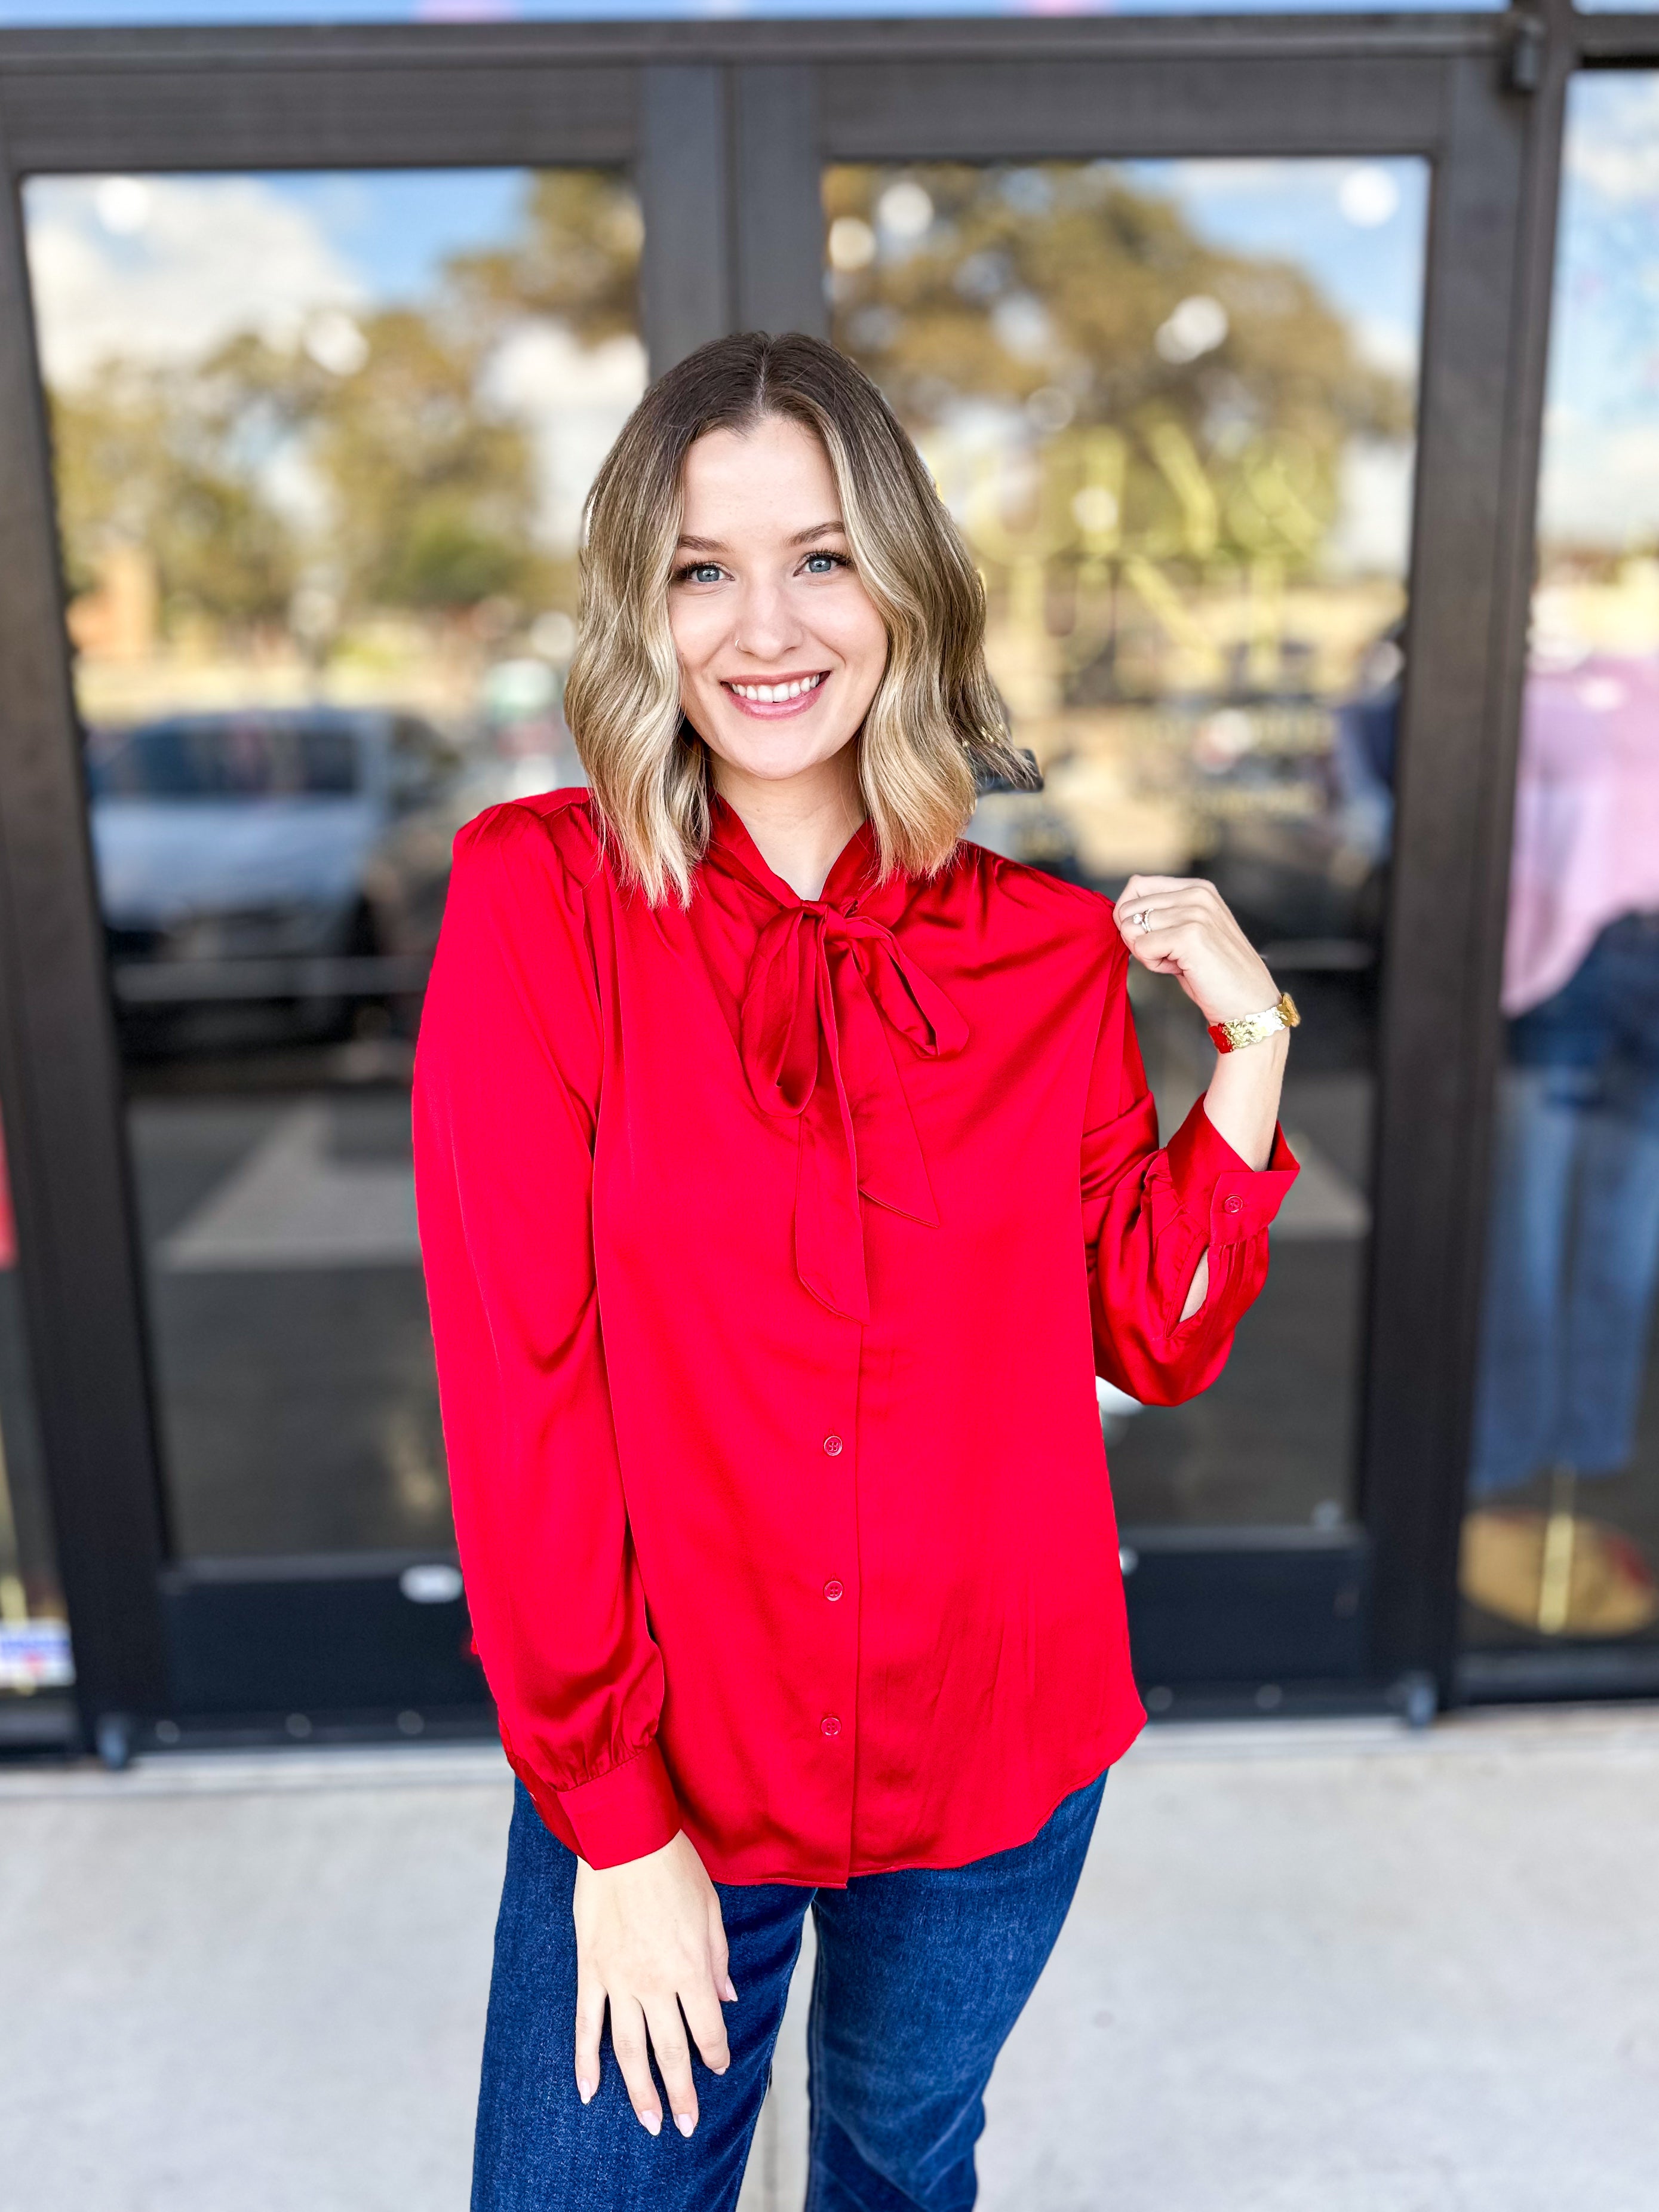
(1190, 404)
(431, 493)
(575, 261)
(365, 465)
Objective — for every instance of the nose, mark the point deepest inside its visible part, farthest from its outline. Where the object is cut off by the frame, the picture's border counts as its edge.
(767, 625)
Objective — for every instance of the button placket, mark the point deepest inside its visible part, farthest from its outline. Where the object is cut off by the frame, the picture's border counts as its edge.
(836, 1445)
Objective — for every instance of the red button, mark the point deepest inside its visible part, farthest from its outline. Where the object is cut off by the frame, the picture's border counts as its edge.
(833, 1589)
(1232, 1205)
(830, 1725)
(832, 1444)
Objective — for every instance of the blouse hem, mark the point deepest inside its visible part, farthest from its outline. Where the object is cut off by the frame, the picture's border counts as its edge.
(1093, 1767)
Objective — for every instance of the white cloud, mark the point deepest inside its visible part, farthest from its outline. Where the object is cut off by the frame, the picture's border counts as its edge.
(165, 270)
(1619, 173)
(1385, 344)
(1372, 535)
(573, 399)
(1600, 484)
(1227, 179)
(186, 263)
(1368, 196)
(1613, 139)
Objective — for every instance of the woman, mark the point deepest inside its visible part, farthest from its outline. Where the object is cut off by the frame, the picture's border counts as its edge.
(788, 1171)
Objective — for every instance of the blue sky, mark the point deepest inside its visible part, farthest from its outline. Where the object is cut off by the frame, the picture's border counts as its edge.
(1601, 479)
(394, 227)
(164, 268)
(1305, 211)
(383, 233)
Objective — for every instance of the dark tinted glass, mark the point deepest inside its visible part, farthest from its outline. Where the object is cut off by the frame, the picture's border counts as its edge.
(243, 759)
(34, 1643)
(1172, 404)
(321, 445)
(1561, 1537)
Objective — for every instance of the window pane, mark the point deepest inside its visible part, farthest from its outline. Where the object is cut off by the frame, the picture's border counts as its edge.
(34, 1644)
(1172, 406)
(321, 444)
(1563, 1528)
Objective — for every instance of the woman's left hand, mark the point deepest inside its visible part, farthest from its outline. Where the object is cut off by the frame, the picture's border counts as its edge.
(1180, 925)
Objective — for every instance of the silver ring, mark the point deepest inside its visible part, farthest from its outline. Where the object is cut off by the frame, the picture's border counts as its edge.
(1145, 918)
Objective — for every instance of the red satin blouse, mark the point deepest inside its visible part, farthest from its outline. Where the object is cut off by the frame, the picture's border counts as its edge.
(773, 1247)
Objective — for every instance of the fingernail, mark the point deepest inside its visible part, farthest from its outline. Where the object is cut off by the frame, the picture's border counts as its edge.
(684, 2122)
(652, 2123)
(584, 2089)
(729, 1992)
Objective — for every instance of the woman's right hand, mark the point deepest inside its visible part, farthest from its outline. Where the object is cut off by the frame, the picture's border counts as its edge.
(650, 1940)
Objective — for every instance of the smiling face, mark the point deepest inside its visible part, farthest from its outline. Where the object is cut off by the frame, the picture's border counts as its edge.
(781, 647)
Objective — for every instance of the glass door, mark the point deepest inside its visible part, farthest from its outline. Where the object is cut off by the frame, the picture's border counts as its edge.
(1228, 414)
(1560, 1544)
(321, 443)
(1173, 405)
(36, 1664)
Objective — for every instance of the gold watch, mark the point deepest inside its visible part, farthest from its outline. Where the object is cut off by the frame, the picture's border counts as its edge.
(1254, 1029)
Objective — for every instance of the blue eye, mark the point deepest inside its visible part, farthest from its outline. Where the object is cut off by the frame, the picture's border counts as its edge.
(700, 572)
(824, 564)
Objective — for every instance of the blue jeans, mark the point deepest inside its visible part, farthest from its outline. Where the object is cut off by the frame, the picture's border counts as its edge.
(1573, 1252)
(921, 1975)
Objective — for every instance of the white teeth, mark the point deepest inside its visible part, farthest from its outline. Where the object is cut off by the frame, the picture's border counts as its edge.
(770, 695)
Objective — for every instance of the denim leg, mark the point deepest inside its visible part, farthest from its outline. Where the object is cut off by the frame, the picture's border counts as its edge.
(538, 2148)
(920, 1976)
(1609, 1306)
(1516, 1393)
(1575, 1239)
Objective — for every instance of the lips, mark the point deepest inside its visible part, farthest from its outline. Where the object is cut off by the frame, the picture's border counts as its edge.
(784, 694)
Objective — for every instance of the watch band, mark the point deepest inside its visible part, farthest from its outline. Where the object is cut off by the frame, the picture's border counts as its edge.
(1254, 1029)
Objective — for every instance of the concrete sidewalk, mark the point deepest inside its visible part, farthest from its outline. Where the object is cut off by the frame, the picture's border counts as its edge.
(1310, 1966)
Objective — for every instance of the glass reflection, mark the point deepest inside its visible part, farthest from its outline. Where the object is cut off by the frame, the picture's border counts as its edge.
(1172, 404)
(1563, 1488)
(321, 443)
(34, 1641)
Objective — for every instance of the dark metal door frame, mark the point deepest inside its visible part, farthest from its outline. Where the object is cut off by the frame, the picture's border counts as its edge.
(726, 126)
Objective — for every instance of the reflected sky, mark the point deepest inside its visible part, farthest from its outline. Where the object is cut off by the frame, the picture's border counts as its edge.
(135, 272)
(1600, 476)
(1356, 228)
(162, 269)
(120, 260)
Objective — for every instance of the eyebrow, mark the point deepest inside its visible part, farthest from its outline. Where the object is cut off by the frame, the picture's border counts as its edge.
(690, 544)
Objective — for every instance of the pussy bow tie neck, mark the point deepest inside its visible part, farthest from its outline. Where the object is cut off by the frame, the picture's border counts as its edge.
(826, 988)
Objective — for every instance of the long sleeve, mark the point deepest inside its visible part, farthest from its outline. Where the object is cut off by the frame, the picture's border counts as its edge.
(1150, 1214)
(505, 1105)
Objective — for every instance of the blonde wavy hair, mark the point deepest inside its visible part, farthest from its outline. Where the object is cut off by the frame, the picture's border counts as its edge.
(936, 728)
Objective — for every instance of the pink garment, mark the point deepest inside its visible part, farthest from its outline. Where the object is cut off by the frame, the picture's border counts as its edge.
(1586, 816)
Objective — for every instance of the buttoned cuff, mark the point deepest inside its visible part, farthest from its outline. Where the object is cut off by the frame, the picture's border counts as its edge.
(624, 1815)
(1214, 1186)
